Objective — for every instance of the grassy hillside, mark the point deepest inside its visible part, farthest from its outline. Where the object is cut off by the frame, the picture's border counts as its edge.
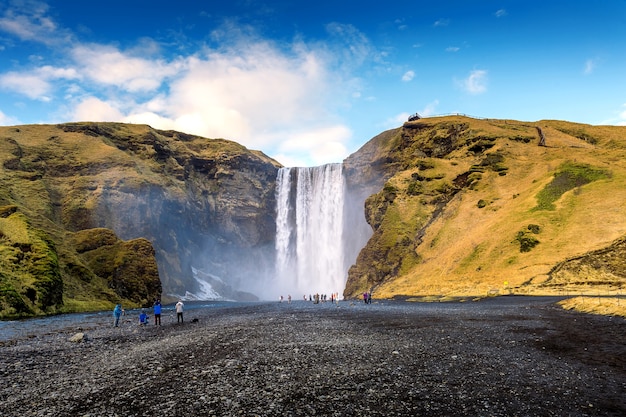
(87, 210)
(478, 207)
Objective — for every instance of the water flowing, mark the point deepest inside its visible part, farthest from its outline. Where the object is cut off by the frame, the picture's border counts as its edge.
(310, 254)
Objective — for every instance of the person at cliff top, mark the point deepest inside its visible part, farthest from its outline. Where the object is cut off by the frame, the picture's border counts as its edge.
(179, 311)
(157, 312)
(143, 318)
(117, 313)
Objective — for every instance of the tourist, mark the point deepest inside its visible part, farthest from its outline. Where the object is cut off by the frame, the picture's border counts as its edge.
(117, 313)
(179, 311)
(157, 312)
(143, 318)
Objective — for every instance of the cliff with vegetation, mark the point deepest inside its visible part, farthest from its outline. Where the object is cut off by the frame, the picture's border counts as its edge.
(474, 207)
(92, 214)
(97, 213)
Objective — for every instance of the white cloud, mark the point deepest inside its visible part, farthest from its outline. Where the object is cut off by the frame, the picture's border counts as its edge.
(476, 82)
(36, 84)
(590, 65)
(429, 110)
(395, 121)
(27, 20)
(249, 94)
(453, 49)
(408, 76)
(400, 118)
(30, 85)
(7, 120)
(441, 22)
(109, 66)
(93, 109)
(619, 118)
(501, 13)
(324, 145)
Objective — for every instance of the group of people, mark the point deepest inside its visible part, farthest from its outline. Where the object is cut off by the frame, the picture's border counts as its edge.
(367, 297)
(322, 298)
(118, 312)
(317, 298)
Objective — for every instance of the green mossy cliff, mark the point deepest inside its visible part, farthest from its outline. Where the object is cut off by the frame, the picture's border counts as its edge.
(98, 213)
(465, 206)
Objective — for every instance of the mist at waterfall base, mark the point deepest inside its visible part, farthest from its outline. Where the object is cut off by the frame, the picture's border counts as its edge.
(320, 229)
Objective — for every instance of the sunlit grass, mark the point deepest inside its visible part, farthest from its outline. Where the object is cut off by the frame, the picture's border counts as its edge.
(608, 306)
(473, 250)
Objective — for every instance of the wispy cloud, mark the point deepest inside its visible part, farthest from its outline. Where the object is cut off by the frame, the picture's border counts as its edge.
(400, 118)
(475, 83)
(441, 22)
(408, 76)
(36, 84)
(28, 21)
(107, 65)
(590, 66)
(453, 49)
(400, 24)
(430, 108)
(500, 13)
(6, 120)
(621, 117)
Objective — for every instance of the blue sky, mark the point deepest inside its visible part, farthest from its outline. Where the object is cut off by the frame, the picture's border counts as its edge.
(309, 82)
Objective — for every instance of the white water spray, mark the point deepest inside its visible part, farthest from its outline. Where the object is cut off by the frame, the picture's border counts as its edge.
(309, 230)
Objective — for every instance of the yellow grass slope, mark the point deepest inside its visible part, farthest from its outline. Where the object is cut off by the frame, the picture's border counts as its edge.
(471, 248)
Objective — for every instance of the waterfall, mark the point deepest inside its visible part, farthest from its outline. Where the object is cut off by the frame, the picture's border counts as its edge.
(310, 230)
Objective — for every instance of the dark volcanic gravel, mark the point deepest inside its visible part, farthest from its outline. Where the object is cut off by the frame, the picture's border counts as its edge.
(508, 356)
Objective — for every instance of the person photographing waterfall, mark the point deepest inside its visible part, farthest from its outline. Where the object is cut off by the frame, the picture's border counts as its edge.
(179, 311)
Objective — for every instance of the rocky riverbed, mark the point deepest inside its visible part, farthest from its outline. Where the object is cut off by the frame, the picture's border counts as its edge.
(507, 356)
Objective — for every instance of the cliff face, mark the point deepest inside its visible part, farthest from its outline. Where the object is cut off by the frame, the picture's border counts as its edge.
(96, 213)
(201, 203)
(477, 206)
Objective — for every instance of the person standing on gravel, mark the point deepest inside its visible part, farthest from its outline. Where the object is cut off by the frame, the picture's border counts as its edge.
(157, 312)
(179, 311)
(117, 313)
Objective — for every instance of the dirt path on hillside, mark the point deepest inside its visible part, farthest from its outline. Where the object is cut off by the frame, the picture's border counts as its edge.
(505, 356)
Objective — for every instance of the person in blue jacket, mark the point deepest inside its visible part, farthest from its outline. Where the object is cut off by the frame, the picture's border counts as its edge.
(143, 318)
(157, 312)
(117, 313)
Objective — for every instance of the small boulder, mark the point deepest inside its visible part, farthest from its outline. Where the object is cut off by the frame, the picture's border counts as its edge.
(78, 337)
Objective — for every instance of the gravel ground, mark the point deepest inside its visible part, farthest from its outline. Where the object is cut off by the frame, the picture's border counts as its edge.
(506, 356)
